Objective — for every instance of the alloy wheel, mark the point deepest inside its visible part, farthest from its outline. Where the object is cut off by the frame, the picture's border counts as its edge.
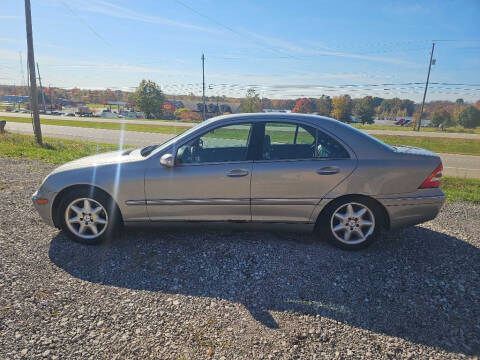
(352, 223)
(86, 218)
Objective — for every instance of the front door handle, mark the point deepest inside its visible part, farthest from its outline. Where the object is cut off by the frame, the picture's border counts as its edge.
(237, 173)
(328, 170)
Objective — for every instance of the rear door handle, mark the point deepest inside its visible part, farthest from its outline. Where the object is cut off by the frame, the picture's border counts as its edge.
(328, 170)
(237, 173)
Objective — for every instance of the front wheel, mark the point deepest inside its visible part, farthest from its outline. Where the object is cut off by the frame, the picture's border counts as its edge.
(88, 217)
(352, 223)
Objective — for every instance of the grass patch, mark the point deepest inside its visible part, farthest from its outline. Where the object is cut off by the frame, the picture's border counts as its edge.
(53, 151)
(461, 189)
(453, 129)
(106, 125)
(442, 145)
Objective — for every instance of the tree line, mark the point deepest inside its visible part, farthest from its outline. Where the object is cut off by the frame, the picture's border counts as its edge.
(149, 98)
(442, 113)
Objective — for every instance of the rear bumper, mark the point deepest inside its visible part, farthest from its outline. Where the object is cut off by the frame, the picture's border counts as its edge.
(410, 211)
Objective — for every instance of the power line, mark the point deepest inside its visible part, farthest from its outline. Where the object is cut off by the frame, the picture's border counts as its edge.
(82, 20)
(215, 21)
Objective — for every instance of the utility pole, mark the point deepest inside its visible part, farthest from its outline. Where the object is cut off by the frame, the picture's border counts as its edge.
(33, 81)
(52, 96)
(24, 83)
(203, 84)
(41, 90)
(426, 87)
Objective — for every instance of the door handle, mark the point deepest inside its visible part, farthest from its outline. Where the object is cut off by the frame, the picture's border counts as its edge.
(237, 173)
(328, 170)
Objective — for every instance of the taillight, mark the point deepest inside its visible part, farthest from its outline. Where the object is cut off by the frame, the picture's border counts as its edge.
(433, 180)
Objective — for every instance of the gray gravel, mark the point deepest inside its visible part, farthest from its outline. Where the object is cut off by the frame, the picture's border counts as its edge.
(183, 294)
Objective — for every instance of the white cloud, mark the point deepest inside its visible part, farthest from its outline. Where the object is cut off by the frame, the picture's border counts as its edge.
(120, 12)
(297, 50)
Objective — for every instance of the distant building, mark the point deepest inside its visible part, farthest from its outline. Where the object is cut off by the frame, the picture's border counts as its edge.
(212, 108)
(276, 110)
(15, 98)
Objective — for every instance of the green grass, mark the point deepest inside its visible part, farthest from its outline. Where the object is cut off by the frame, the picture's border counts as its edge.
(453, 129)
(105, 125)
(460, 189)
(53, 151)
(441, 145)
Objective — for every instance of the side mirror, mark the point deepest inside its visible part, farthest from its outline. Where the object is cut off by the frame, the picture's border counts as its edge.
(167, 160)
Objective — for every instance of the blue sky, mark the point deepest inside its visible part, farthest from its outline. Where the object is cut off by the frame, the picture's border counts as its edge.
(283, 48)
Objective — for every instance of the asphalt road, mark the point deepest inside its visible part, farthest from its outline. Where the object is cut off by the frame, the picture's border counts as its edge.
(454, 165)
(188, 124)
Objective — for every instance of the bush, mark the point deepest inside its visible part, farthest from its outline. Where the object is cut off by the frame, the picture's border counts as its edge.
(190, 116)
(180, 111)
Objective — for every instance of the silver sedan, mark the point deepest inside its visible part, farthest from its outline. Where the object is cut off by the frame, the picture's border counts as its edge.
(281, 170)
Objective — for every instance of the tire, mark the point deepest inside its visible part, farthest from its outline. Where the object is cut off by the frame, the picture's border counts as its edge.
(351, 223)
(81, 211)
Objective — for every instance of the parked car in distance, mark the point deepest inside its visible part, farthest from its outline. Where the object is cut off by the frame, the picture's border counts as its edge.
(399, 122)
(69, 114)
(278, 170)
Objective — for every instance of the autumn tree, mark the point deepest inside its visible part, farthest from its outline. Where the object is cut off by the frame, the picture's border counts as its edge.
(251, 103)
(324, 105)
(457, 109)
(304, 106)
(149, 98)
(469, 117)
(477, 104)
(342, 108)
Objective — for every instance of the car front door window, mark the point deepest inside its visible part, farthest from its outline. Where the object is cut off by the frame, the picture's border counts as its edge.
(224, 144)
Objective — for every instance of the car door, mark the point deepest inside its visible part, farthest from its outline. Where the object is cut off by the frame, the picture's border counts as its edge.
(298, 165)
(210, 180)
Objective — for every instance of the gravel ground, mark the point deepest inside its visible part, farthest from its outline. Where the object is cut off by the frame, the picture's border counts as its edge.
(184, 294)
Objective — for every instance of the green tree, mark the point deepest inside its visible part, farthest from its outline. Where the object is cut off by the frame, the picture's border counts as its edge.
(470, 117)
(342, 108)
(442, 118)
(324, 105)
(149, 98)
(364, 109)
(251, 103)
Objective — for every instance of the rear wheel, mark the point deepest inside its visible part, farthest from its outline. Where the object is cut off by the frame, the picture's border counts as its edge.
(351, 223)
(88, 217)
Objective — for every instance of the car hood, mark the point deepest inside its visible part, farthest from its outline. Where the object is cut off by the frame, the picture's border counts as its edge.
(115, 157)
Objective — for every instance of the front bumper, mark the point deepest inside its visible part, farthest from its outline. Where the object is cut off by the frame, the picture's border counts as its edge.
(44, 210)
(412, 210)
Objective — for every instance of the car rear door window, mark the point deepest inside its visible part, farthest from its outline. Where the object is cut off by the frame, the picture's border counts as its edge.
(289, 141)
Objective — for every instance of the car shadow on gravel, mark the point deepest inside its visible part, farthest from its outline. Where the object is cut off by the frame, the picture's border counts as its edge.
(417, 284)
